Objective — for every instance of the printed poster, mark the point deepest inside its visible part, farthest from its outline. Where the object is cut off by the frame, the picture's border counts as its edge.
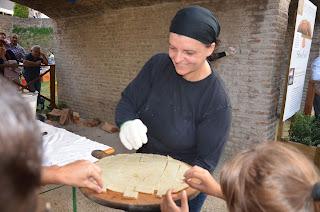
(302, 40)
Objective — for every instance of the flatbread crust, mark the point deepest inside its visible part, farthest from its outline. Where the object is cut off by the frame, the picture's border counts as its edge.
(146, 173)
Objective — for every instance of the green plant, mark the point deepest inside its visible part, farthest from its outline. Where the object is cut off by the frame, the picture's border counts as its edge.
(305, 129)
(20, 11)
(29, 36)
(32, 30)
(316, 132)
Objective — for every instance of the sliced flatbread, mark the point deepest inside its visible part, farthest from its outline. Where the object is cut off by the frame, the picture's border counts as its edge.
(130, 193)
(146, 173)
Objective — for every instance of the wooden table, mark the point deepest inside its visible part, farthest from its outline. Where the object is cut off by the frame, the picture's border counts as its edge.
(145, 202)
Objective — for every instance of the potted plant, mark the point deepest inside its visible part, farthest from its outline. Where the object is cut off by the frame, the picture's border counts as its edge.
(304, 134)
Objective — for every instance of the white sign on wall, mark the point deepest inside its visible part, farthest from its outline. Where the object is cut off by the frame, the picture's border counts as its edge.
(299, 57)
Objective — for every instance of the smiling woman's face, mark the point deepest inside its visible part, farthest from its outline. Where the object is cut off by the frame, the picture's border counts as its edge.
(187, 54)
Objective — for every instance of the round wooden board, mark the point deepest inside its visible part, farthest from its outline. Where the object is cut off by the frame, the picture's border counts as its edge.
(145, 202)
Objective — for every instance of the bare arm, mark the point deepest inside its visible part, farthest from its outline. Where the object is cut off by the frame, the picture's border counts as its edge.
(28, 63)
(7, 63)
(205, 182)
(45, 60)
(80, 173)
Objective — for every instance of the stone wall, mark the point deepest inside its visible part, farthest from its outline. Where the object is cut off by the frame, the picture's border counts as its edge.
(99, 54)
(47, 42)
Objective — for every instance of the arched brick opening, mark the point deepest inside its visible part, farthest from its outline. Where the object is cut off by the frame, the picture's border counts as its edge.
(101, 45)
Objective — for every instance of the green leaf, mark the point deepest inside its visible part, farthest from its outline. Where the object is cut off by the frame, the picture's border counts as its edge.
(305, 129)
(20, 11)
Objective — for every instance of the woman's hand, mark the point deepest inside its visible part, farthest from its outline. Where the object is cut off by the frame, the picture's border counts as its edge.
(168, 204)
(200, 179)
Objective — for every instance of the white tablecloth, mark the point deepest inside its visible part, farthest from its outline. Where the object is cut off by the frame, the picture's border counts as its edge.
(61, 146)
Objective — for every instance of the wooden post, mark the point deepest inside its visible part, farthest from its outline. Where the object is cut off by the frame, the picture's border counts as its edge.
(53, 86)
(74, 199)
(284, 97)
(309, 100)
(281, 122)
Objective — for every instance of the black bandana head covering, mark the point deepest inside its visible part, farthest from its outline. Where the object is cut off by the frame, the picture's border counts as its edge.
(196, 22)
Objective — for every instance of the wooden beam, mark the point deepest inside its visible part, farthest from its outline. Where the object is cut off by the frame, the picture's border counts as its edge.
(53, 86)
(309, 100)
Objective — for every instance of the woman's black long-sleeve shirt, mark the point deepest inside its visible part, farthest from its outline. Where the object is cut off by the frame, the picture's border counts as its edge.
(189, 121)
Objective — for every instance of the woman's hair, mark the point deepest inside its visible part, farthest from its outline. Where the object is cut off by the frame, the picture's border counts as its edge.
(20, 152)
(270, 177)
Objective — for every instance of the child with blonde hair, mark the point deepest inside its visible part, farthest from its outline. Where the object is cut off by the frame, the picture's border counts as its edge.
(269, 177)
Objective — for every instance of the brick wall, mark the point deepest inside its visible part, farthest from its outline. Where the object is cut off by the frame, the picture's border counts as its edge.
(99, 54)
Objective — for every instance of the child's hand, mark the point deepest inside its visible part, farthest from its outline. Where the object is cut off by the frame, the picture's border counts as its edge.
(200, 179)
(168, 204)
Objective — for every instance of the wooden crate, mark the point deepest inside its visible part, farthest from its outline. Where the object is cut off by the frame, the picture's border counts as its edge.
(311, 152)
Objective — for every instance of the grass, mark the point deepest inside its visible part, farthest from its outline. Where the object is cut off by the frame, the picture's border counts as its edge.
(45, 91)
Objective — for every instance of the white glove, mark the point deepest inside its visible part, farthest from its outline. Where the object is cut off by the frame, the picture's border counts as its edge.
(133, 134)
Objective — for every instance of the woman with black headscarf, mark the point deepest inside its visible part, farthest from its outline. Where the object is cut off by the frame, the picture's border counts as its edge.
(178, 105)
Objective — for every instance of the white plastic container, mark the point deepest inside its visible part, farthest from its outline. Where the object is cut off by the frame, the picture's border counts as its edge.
(31, 99)
(51, 59)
